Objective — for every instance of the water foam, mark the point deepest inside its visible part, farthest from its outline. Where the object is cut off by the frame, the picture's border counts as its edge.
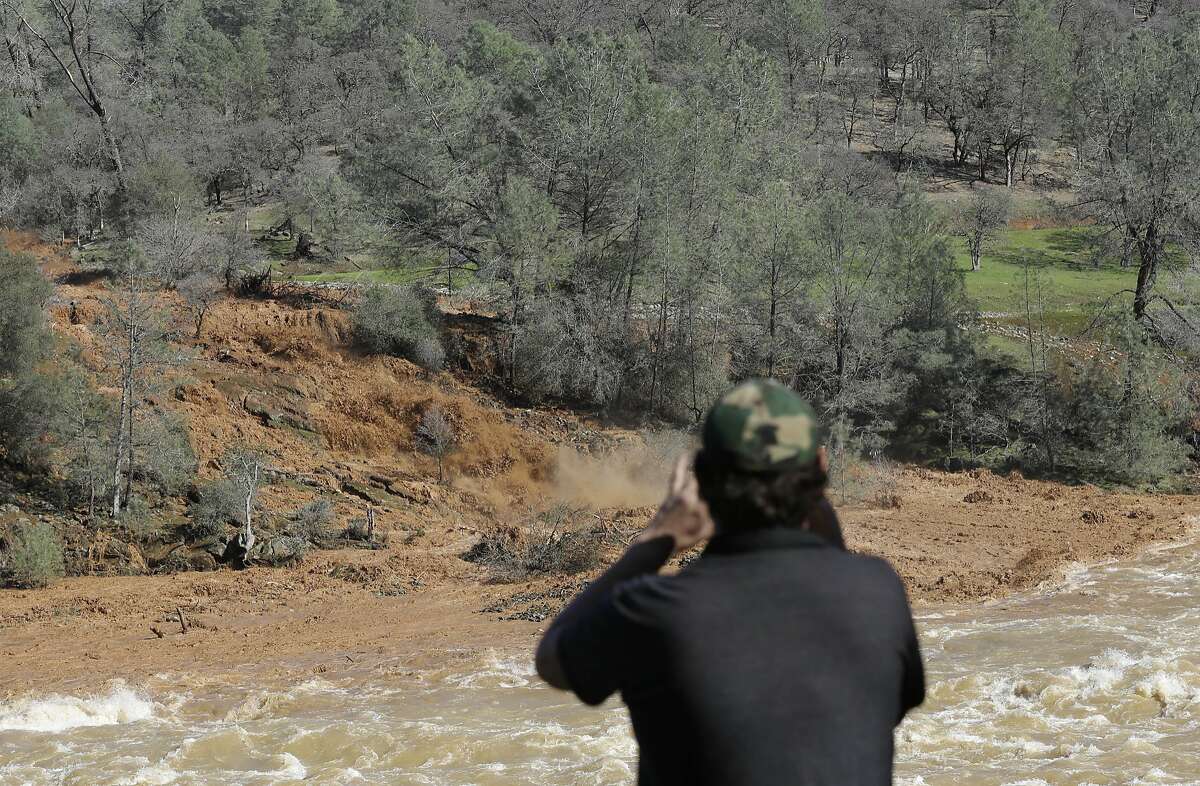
(291, 768)
(1165, 688)
(495, 671)
(156, 775)
(58, 713)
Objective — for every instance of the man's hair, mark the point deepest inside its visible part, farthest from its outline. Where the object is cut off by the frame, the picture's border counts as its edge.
(740, 500)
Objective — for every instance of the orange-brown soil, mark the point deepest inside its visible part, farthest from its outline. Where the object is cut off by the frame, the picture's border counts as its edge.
(340, 425)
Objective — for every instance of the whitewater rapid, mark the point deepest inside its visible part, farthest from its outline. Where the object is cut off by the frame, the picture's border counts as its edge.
(1095, 682)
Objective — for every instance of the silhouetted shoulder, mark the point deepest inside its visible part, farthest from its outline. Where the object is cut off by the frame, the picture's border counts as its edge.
(646, 599)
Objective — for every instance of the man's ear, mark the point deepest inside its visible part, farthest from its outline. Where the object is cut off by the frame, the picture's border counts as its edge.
(823, 460)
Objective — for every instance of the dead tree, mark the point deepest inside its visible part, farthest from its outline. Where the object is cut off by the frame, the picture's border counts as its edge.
(436, 437)
(245, 469)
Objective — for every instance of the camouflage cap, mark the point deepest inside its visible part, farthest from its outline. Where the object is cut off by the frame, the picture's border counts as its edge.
(762, 426)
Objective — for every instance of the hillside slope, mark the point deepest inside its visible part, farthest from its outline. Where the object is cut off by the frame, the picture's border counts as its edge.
(340, 425)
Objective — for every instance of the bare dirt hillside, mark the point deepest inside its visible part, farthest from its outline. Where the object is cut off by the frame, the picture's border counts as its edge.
(340, 425)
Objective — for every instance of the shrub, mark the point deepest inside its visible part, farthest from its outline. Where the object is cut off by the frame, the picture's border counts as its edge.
(312, 522)
(1126, 421)
(396, 321)
(33, 557)
(137, 521)
(551, 544)
(362, 533)
(572, 348)
(436, 437)
(219, 504)
(168, 461)
(429, 354)
(24, 338)
(857, 470)
(279, 551)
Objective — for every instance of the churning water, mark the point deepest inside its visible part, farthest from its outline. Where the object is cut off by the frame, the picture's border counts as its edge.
(1095, 683)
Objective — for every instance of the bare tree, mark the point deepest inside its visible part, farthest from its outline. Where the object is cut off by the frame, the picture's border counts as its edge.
(87, 416)
(436, 437)
(1040, 398)
(1023, 78)
(9, 196)
(980, 218)
(334, 210)
(176, 245)
(234, 249)
(22, 76)
(135, 342)
(143, 18)
(244, 468)
(774, 253)
(199, 291)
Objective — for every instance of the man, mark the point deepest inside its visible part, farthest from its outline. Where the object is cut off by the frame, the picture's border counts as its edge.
(777, 657)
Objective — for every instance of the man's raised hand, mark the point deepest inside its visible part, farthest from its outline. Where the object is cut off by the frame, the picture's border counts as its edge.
(683, 515)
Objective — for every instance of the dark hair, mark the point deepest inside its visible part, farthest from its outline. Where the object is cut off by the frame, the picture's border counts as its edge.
(741, 500)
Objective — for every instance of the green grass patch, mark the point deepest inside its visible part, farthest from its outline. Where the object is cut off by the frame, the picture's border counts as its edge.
(1016, 350)
(1060, 260)
(278, 249)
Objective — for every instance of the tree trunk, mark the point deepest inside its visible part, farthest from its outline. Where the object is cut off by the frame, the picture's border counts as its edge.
(514, 325)
(1149, 252)
(771, 332)
(633, 265)
(304, 246)
(840, 356)
(114, 153)
(129, 457)
(119, 453)
(248, 535)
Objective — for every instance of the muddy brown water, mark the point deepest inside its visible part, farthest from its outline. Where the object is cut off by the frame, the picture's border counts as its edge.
(1094, 682)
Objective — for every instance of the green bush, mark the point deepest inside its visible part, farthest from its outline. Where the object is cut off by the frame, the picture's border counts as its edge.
(169, 461)
(1125, 419)
(218, 505)
(138, 521)
(24, 338)
(33, 556)
(396, 321)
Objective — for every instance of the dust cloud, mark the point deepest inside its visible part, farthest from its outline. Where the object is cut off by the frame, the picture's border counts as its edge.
(633, 475)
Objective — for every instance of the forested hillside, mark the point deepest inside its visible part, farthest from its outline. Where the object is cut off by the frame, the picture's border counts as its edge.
(650, 200)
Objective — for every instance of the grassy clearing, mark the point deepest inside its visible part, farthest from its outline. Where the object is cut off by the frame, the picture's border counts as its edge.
(1060, 260)
(1073, 286)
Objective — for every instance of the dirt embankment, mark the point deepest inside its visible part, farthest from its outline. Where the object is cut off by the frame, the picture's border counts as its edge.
(340, 425)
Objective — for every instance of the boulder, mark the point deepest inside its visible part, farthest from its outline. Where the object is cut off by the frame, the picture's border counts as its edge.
(278, 551)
